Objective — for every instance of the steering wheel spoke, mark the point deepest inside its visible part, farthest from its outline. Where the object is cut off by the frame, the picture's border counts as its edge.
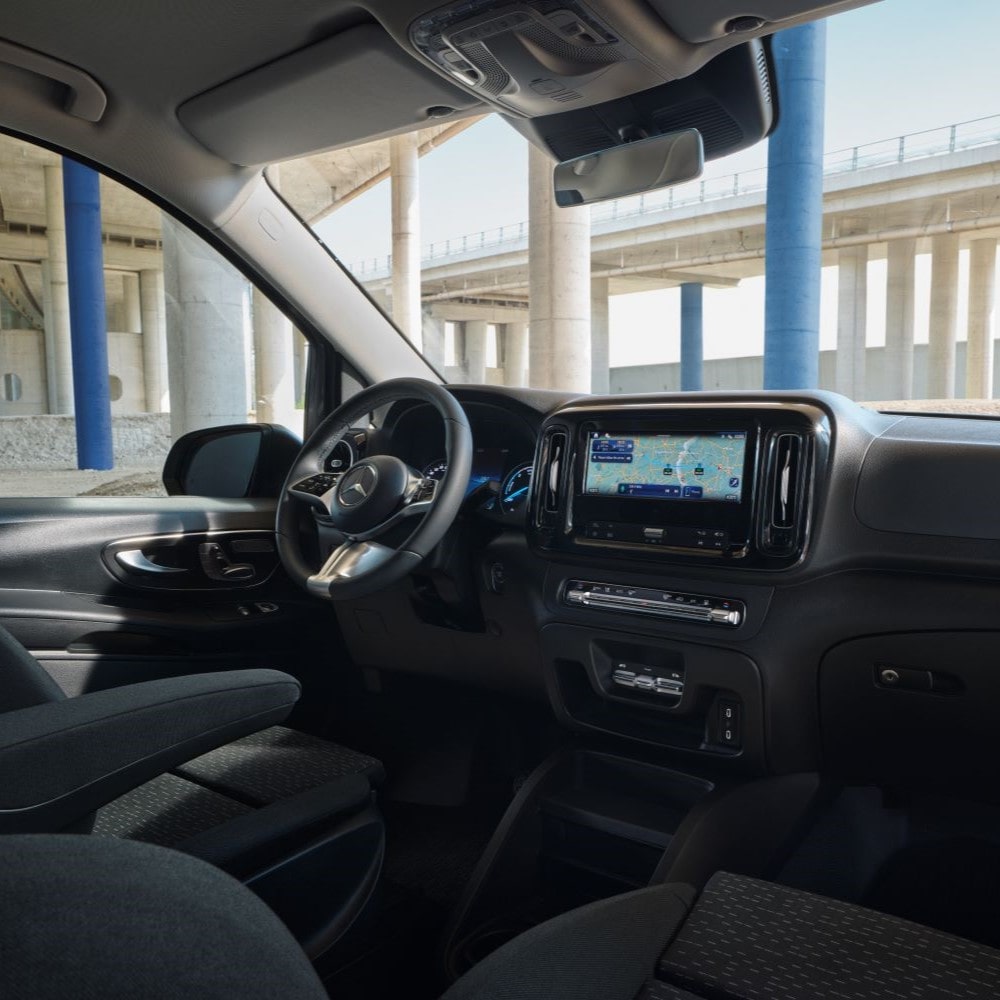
(347, 562)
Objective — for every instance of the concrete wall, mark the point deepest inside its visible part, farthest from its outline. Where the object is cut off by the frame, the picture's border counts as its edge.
(141, 440)
(748, 373)
(22, 353)
(125, 363)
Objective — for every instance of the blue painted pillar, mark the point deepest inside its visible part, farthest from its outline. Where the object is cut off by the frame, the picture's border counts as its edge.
(692, 349)
(87, 316)
(795, 211)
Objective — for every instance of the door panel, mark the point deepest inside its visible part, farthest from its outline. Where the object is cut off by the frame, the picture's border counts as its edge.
(96, 621)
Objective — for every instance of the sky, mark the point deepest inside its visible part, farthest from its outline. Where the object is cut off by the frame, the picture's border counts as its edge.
(893, 68)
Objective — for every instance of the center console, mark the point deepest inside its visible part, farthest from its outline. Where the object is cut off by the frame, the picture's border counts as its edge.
(662, 523)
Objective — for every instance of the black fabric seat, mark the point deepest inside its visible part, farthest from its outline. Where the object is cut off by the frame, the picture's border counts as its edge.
(233, 780)
(86, 916)
(198, 764)
(740, 939)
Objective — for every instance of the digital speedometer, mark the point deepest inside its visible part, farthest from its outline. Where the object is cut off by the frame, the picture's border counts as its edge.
(514, 491)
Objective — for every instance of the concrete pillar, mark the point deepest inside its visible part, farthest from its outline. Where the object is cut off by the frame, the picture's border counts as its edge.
(558, 284)
(88, 316)
(273, 363)
(899, 315)
(154, 341)
(852, 321)
(433, 336)
(794, 218)
(405, 179)
(515, 354)
(982, 306)
(59, 358)
(944, 317)
(300, 354)
(475, 350)
(692, 337)
(600, 337)
(49, 339)
(131, 303)
(206, 339)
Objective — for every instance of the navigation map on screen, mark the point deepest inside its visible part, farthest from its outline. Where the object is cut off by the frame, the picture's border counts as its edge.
(672, 466)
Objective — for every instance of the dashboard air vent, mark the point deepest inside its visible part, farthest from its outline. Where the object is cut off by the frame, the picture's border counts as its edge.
(550, 487)
(786, 493)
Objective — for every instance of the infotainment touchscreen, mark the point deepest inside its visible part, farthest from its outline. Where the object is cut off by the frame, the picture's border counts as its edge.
(682, 466)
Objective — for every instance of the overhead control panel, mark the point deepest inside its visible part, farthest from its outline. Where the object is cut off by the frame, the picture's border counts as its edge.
(532, 58)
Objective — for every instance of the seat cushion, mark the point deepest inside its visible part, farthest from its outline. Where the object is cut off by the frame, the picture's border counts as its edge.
(166, 811)
(753, 940)
(277, 763)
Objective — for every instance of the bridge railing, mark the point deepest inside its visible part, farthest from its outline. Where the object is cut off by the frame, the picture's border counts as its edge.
(900, 149)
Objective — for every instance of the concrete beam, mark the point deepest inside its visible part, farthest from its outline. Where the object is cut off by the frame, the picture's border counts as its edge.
(459, 312)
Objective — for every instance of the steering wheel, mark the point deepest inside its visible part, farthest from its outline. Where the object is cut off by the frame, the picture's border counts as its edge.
(377, 493)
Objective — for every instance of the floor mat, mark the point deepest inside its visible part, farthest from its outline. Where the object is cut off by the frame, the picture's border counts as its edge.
(952, 885)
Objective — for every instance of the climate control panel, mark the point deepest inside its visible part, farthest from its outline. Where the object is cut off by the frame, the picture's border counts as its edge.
(699, 608)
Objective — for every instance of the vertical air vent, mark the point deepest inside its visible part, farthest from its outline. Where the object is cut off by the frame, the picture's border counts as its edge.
(550, 494)
(783, 515)
(764, 73)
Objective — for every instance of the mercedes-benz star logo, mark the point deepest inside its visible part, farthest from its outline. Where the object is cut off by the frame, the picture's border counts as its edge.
(357, 485)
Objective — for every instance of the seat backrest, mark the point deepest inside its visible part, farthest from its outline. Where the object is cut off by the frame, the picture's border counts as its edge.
(23, 680)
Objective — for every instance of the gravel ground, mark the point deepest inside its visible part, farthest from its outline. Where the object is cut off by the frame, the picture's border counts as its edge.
(74, 482)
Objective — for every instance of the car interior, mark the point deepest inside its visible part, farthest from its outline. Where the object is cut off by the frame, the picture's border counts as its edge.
(419, 705)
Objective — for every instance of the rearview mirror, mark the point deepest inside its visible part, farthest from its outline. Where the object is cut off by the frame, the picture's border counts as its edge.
(630, 169)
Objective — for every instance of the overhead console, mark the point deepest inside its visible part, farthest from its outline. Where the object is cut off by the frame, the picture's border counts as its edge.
(669, 483)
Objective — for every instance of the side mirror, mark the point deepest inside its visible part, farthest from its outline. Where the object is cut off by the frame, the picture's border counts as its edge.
(630, 169)
(238, 460)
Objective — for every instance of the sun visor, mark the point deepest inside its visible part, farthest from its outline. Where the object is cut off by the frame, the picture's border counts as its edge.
(357, 85)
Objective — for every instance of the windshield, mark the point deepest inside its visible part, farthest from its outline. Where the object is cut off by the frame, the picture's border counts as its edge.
(453, 232)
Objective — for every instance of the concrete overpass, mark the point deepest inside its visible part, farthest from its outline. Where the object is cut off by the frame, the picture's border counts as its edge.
(933, 192)
(151, 277)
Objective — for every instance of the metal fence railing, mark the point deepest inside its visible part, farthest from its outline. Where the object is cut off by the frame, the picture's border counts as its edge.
(916, 146)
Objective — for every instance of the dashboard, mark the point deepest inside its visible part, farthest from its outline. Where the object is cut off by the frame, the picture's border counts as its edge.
(760, 582)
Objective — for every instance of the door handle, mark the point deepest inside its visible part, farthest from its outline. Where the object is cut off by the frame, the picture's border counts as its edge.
(136, 561)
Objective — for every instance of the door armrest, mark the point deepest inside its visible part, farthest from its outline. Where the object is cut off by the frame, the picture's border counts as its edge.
(62, 760)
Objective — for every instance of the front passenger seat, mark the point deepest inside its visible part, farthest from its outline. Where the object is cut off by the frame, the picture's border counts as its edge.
(199, 764)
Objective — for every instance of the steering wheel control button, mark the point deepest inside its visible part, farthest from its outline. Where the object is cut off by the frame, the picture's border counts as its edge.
(318, 485)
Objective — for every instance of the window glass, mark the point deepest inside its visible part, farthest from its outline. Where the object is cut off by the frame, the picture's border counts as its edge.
(189, 343)
(590, 299)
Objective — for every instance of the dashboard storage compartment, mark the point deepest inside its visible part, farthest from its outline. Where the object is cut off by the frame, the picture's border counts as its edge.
(681, 695)
(585, 826)
(914, 710)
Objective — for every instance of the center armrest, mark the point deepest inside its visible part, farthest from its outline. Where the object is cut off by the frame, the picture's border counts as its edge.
(62, 760)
